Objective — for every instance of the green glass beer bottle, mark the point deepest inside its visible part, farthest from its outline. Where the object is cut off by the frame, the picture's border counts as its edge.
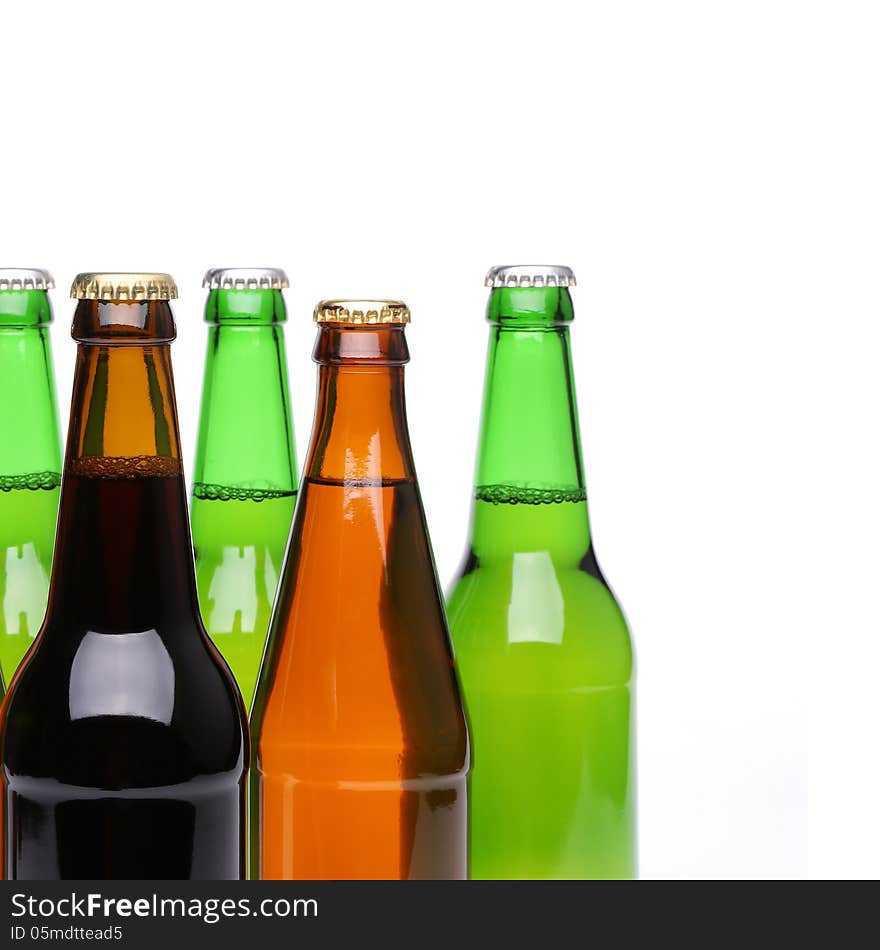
(543, 648)
(30, 460)
(245, 470)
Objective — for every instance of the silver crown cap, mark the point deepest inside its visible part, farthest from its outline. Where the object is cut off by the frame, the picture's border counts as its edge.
(245, 278)
(25, 278)
(530, 275)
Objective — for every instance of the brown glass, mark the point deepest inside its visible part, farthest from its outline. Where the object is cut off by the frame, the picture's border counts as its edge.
(360, 741)
(124, 739)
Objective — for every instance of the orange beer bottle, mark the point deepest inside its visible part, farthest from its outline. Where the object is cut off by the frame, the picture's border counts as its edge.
(361, 748)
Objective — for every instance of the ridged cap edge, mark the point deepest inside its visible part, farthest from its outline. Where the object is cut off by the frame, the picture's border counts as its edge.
(112, 286)
(362, 312)
(245, 278)
(530, 275)
(25, 278)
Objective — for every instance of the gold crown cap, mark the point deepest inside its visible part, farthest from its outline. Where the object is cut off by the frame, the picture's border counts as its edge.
(356, 313)
(111, 286)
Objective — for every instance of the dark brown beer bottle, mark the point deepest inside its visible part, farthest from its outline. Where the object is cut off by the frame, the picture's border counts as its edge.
(124, 744)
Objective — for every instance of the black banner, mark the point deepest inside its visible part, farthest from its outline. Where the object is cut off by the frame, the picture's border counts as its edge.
(257, 915)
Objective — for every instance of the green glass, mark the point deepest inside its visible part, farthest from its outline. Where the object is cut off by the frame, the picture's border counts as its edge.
(30, 469)
(543, 649)
(245, 474)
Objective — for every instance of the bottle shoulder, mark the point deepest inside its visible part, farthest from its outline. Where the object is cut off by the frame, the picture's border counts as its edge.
(530, 605)
(358, 677)
(149, 709)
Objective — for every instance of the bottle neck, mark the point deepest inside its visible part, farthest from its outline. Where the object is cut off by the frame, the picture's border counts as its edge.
(30, 451)
(530, 492)
(123, 559)
(245, 446)
(360, 434)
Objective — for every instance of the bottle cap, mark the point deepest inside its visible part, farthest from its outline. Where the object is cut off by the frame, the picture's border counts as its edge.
(355, 313)
(530, 275)
(25, 278)
(123, 287)
(245, 278)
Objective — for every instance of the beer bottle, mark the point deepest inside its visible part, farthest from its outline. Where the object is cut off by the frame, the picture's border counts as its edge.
(30, 460)
(543, 647)
(360, 741)
(245, 474)
(124, 742)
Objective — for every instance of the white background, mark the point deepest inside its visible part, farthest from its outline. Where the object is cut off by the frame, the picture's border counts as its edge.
(710, 170)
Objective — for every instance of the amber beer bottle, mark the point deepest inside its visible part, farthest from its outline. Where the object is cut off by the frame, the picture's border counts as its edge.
(360, 741)
(124, 744)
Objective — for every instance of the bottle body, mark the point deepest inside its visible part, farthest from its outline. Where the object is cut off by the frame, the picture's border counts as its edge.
(245, 475)
(545, 660)
(30, 470)
(124, 745)
(129, 770)
(239, 541)
(543, 648)
(360, 742)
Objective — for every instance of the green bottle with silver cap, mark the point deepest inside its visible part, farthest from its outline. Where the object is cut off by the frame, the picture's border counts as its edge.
(245, 481)
(30, 459)
(542, 646)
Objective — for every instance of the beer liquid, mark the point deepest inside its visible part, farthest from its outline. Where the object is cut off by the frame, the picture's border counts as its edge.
(545, 652)
(363, 754)
(123, 775)
(239, 554)
(28, 508)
